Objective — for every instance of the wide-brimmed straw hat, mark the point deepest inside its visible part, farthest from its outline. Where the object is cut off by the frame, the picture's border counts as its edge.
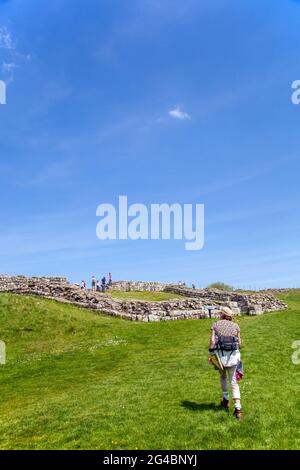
(227, 311)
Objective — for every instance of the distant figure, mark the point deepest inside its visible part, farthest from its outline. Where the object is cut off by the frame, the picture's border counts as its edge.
(94, 282)
(103, 284)
(83, 285)
(110, 279)
(193, 286)
(179, 283)
(98, 286)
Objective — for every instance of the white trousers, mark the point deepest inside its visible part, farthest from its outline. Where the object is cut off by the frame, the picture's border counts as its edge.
(235, 389)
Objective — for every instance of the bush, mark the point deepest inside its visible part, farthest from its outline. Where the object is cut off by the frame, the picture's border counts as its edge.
(220, 286)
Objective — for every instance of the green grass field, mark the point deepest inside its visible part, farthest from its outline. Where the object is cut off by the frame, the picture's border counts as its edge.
(77, 380)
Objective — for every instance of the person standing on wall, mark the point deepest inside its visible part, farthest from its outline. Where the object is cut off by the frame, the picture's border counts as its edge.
(226, 340)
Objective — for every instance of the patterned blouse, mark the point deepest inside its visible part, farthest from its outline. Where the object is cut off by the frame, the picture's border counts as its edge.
(226, 328)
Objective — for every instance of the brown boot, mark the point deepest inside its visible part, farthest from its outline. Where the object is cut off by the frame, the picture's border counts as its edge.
(238, 414)
(225, 404)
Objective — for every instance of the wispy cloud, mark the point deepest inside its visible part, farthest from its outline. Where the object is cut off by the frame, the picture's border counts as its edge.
(10, 57)
(177, 113)
(56, 171)
(6, 41)
(8, 67)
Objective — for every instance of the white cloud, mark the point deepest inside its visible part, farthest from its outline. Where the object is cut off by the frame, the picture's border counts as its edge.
(11, 57)
(177, 113)
(8, 66)
(6, 41)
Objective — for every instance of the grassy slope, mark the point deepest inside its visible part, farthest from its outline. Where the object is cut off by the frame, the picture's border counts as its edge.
(77, 380)
(145, 296)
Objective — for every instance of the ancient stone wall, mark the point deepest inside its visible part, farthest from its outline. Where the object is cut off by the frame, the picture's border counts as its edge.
(127, 286)
(282, 290)
(59, 289)
(187, 307)
(251, 304)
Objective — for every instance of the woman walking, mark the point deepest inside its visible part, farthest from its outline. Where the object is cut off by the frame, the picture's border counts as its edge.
(226, 341)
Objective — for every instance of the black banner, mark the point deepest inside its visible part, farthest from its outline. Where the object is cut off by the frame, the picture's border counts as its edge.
(136, 459)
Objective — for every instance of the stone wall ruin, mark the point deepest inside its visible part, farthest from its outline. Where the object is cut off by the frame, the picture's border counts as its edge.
(192, 303)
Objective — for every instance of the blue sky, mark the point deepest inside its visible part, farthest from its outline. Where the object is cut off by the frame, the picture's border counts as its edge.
(90, 89)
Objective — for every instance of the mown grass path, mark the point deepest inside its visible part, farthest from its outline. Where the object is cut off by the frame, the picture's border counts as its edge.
(77, 380)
